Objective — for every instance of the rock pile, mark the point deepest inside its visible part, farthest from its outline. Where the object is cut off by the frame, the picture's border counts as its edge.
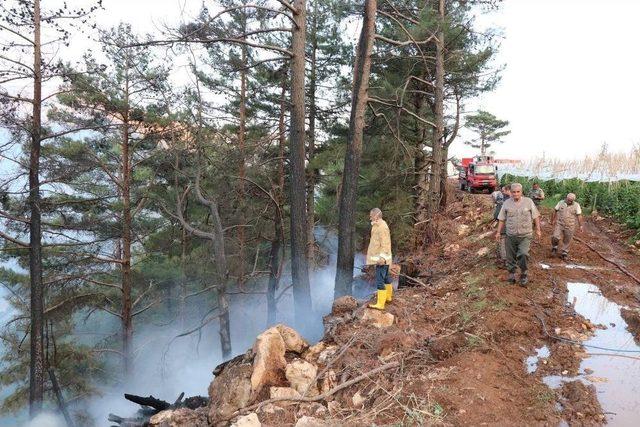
(281, 379)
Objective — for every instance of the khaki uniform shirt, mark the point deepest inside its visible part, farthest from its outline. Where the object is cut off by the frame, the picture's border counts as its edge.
(518, 216)
(567, 215)
(380, 243)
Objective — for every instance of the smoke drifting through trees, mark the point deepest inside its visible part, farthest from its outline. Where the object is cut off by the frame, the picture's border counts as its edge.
(162, 211)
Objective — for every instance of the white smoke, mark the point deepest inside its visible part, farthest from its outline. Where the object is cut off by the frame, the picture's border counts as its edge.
(46, 419)
(167, 366)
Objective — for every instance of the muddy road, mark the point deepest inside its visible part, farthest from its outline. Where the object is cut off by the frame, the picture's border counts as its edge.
(522, 360)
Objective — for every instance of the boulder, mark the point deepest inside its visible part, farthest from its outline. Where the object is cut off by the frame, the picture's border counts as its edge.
(230, 390)
(343, 305)
(180, 417)
(249, 420)
(310, 422)
(301, 375)
(268, 362)
(377, 318)
(293, 341)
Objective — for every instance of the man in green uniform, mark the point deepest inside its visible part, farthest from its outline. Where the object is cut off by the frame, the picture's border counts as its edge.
(518, 214)
(566, 215)
(536, 194)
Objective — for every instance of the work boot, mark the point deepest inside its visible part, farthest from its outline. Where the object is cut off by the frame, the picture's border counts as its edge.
(564, 255)
(524, 279)
(389, 289)
(554, 250)
(382, 298)
(512, 278)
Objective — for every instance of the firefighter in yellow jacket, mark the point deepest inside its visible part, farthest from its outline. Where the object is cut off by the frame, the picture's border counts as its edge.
(379, 254)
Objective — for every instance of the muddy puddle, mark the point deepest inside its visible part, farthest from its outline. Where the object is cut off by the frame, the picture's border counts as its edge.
(615, 375)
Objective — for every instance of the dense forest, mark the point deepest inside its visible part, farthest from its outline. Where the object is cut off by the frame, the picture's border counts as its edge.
(144, 205)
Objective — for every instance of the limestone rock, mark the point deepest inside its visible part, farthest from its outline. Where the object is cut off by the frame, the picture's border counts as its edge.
(301, 375)
(249, 420)
(310, 422)
(377, 318)
(313, 352)
(293, 341)
(327, 354)
(268, 362)
(358, 400)
(463, 230)
(283, 392)
(180, 417)
(483, 251)
(343, 305)
(271, 409)
(230, 391)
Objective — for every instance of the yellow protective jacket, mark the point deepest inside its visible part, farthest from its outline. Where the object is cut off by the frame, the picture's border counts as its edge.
(380, 243)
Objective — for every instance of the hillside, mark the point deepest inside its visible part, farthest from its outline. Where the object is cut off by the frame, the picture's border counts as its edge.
(459, 350)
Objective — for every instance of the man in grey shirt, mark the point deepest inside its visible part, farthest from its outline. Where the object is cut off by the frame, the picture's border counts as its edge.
(518, 214)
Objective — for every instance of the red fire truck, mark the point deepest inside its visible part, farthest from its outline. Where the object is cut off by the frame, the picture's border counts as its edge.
(478, 174)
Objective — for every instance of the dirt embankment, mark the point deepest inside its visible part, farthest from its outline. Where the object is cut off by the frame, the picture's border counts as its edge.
(454, 351)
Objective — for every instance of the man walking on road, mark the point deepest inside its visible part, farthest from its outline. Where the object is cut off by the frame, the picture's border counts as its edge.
(536, 194)
(518, 214)
(379, 254)
(566, 215)
(501, 250)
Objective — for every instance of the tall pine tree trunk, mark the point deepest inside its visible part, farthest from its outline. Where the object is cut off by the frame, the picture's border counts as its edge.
(36, 362)
(278, 232)
(435, 169)
(242, 134)
(347, 221)
(299, 262)
(125, 174)
(312, 172)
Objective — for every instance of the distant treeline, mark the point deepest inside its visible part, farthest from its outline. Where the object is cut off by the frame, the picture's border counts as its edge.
(619, 200)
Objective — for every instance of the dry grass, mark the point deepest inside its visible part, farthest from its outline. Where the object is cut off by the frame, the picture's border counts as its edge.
(605, 164)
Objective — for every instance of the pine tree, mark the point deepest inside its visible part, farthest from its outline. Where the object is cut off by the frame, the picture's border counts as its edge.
(110, 168)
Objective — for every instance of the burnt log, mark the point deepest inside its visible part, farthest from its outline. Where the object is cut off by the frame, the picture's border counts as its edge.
(151, 406)
(157, 404)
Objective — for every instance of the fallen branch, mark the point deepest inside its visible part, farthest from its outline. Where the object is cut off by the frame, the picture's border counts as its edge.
(620, 267)
(316, 398)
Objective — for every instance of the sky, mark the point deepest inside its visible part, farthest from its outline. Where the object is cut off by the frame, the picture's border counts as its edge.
(572, 77)
(570, 83)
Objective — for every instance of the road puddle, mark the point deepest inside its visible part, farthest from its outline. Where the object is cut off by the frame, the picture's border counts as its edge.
(615, 375)
(569, 266)
(532, 361)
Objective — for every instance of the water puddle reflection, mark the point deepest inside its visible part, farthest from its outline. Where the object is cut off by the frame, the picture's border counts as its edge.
(615, 375)
(532, 361)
